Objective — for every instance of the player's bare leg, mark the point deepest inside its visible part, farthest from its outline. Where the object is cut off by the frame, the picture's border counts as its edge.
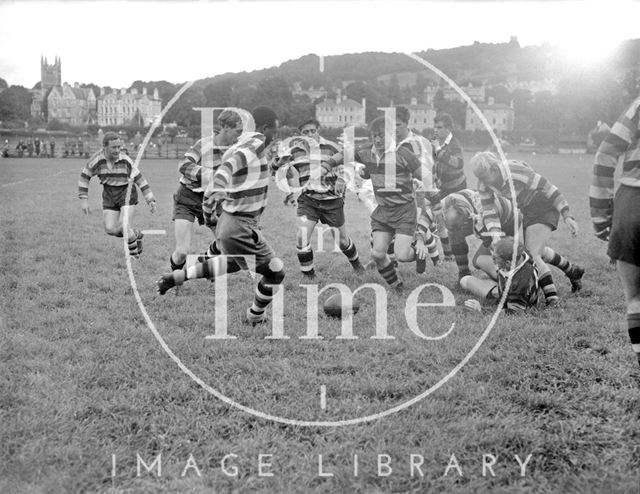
(113, 225)
(630, 277)
(403, 248)
(386, 268)
(183, 230)
(573, 271)
(304, 231)
(347, 247)
(483, 261)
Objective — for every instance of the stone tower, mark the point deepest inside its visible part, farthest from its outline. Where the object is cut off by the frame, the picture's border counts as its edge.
(50, 75)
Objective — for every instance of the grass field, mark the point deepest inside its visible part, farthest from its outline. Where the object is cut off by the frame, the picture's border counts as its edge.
(84, 380)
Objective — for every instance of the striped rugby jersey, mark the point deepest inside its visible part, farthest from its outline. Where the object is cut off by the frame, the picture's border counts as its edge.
(523, 292)
(527, 184)
(195, 174)
(407, 167)
(422, 148)
(623, 140)
(296, 158)
(243, 178)
(114, 174)
(469, 201)
(449, 165)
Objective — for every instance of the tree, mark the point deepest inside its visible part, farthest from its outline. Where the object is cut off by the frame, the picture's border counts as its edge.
(182, 111)
(220, 93)
(15, 103)
(3, 84)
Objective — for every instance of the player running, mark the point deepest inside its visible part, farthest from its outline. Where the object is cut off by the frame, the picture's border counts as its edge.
(240, 184)
(321, 202)
(114, 170)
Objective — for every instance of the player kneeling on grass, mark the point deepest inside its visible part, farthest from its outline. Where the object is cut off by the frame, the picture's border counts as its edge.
(114, 170)
(523, 292)
(240, 183)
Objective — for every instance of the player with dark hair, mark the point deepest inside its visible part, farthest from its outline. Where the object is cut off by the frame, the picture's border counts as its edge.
(449, 166)
(195, 176)
(523, 292)
(114, 170)
(243, 197)
(541, 204)
(396, 212)
(316, 202)
(617, 218)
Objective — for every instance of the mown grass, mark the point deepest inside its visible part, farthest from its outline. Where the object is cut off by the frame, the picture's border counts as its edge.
(83, 378)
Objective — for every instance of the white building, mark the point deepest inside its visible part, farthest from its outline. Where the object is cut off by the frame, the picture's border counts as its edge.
(128, 108)
(420, 115)
(499, 116)
(343, 112)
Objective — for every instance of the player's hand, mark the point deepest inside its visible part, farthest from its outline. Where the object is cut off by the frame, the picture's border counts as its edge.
(421, 250)
(473, 305)
(84, 206)
(572, 225)
(152, 206)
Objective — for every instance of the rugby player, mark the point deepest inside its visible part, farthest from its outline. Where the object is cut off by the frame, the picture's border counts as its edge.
(617, 218)
(114, 170)
(243, 197)
(541, 204)
(523, 292)
(196, 175)
(322, 202)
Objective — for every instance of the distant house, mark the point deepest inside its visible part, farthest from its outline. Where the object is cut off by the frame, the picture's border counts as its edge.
(71, 105)
(499, 115)
(343, 112)
(420, 115)
(312, 93)
(475, 93)
(128, 107)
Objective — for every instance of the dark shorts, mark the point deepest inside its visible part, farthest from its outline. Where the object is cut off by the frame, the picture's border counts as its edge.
(624, 240)
(540, 210)
(240, 235)
(329, 212)
(114, 197)
(395, 219)
(187, 205)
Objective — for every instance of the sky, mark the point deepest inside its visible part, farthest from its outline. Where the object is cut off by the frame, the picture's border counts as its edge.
(113, 43)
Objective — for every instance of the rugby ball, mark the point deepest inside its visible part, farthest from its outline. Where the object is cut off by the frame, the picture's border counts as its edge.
(334, 306)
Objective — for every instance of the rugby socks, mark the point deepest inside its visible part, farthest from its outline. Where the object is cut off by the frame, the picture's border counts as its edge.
(552, 257)
(262, 298)
(391, 252)
(446, 247)
(461, 254)
(390, 275)
(548, 288)
(213, 250)
(174, 265)
(352, 255)
(305, 257)
(432, 248)
(132, 243)
(633, 324)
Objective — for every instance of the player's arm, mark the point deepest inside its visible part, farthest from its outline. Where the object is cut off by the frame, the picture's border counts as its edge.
(450, 155)
(551, 192)
(614, 145)
(191, 166)
(145, 188)
(83, 188)
(490, 216)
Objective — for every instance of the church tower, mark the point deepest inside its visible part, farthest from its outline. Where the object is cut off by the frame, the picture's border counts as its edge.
(50, 75)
